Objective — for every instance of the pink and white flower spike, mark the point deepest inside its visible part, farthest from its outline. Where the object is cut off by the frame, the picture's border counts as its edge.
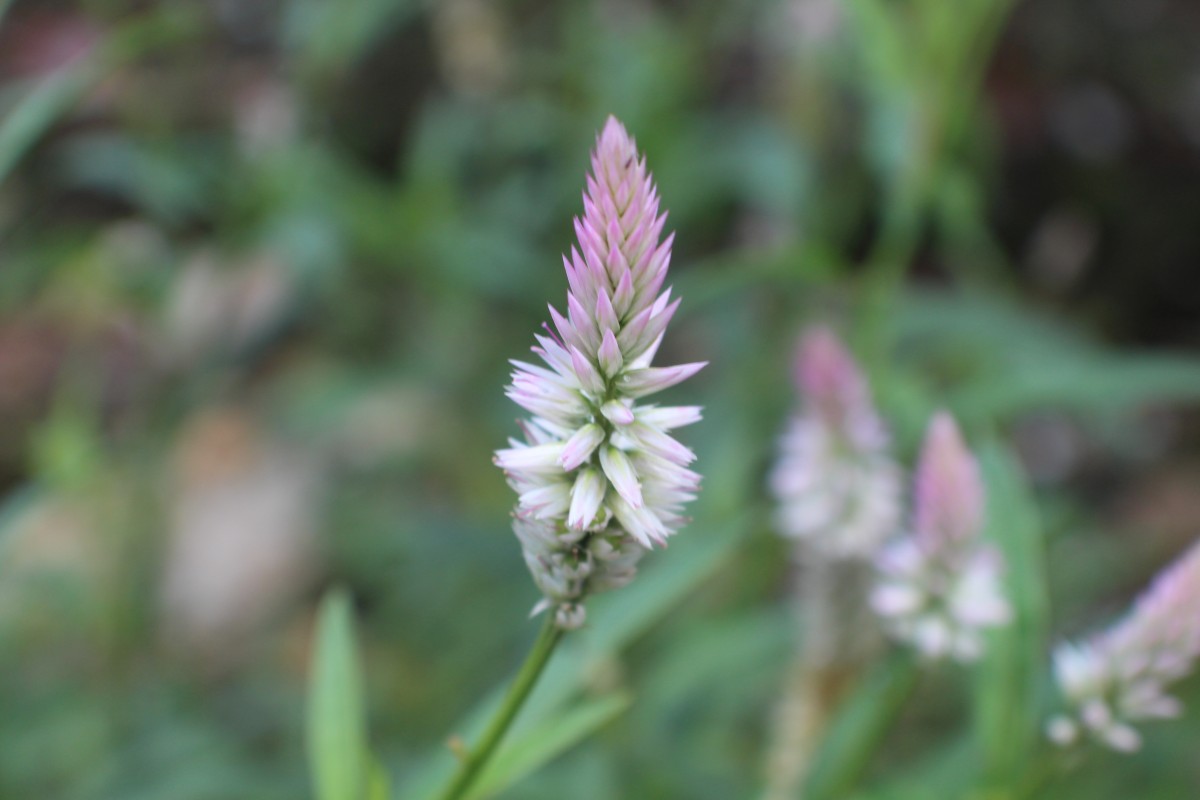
(940, 585)
(836, 483)
(1119, 677)
(599, 478)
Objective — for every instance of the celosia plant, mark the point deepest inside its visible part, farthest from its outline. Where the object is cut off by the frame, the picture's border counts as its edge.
(837, 485)
(600, 479)
(599, 476)
(838, 494)
(1119, 677)
(940, 585)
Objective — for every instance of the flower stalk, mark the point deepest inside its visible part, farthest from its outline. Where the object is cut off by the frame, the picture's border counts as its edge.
(476, 758)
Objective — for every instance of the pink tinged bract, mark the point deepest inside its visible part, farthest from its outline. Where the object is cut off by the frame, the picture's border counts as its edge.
(589, 379)
(641, 382)
(622, 475)
(669, 417)
(617, 412)
(586, 496)
(580, 446)
(547, 502)
(609, 354)
(539, 457)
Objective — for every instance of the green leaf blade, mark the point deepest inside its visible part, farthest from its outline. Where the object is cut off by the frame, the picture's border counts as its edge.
(336, 724)
(1009, 677)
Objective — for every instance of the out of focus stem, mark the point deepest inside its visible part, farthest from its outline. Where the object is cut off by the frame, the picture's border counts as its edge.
(478, 756)
(809, 700)
(838, 640)
(856, 734)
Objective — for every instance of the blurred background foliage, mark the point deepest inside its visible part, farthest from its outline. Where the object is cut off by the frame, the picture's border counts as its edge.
(262, 264)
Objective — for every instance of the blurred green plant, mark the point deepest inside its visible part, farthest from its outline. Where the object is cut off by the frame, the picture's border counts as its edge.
(338, 219)
(338, 753)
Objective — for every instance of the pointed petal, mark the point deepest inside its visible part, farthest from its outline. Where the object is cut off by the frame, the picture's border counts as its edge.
(565, 329)
(623, 295)
(660, 444)
(668, 417)
(588, 377)
(609, 355)
(621, 473)
(640, 523)
(580, 447)
(606, 315)
(547, 502)
(583, 323)
(617, 412)
(543, 457)
(586, 496)
(641, 382)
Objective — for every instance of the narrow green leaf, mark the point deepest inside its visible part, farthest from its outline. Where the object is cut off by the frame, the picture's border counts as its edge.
(337, 735)
(539, 745)
(1099, 383)
(1009, 359)
(861, 725)
(39, 109)
(895, 119)
(984, 325)
(1008, 678)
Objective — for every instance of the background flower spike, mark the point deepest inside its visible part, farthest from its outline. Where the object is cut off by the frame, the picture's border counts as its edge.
(940, 585)
(837, 485)
(1119, 677)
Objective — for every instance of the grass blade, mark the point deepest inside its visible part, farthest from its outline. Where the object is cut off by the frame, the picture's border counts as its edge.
(337, 734)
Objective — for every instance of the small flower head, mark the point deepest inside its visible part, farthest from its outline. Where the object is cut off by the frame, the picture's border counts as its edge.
(940, 585)
(1119, 677)
(837, 485)
(599, 476)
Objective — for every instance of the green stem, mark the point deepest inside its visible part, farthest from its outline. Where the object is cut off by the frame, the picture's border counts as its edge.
(477, 758)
